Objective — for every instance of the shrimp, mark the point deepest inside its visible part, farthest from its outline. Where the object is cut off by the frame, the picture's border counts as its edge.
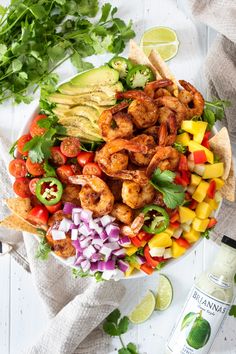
(142, 109)
(134, 228)
(195, 106)
(165, 158)
(135, 195)
(143, 159)
(115, 187)
(151, 87)
(123, 213)
(166, 138)
(115, 124)
(174, 105)
(95, 194)
(153, 131)
(63, 248)
(162, 92)
(71, 194)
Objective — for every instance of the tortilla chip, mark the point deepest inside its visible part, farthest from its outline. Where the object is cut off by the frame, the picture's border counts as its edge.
(137, 56)
(16, 223)
(163, 69)
(228, 190)
(19, 206)
(220, 144)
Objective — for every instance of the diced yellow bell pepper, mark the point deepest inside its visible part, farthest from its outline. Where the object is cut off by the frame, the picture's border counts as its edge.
(195, 180)
(169, 231)
(203, 210)
(160, 240)
(201, 191)
(196, 128)
(212, 202)
(191, 236)
(200, 224)
(215, 170)
(194, 146)
(131, 250)
(186, 214)
(136, 265)
(129, 271)
(183, 139)
(219, 183)
(177, 250)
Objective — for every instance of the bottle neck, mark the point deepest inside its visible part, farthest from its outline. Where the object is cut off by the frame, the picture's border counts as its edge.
(225, 263)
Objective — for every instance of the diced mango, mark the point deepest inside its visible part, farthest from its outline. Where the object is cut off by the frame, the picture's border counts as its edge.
(169, 231)
(129, 271)
(195, 180)
(212, 202)
(131, 250)
(215, 170)
(201, 191)
(183, 139)
(200, 224)
(219, 183)
(203, 210)
(194, 146)
(177, 250)
(186, 214)
(160, 240)
(196, 128)
(191, 236)
(136, 265)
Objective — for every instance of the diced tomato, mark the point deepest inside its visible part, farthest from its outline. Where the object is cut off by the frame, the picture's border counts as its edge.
(21, 187)
(35, 129)
(17, 168)
(92, 168)
(146, 268)
(199, 157)
(85, 157)
(183, 163)
(174, 216)
(212, 223)
(38, 215)
(53, 208)
(64, 172)
(21, 143)
(193, 204)
(174, 225)
(150, 260)
(57, 156)
(182, 242)
(183, 179)
(144, 236)
(205, 141)
(212, 189)
(32, 185)
(34, 168)
(70, 147)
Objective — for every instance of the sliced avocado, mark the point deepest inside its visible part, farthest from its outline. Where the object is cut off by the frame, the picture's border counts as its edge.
(98, 97)
(77, 132)
(98, 76)
(83, 124)
(70, 89)
(88, 112)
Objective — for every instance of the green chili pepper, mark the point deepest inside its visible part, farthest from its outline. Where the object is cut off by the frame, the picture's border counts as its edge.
(122, 65)
(157, 218)
(139, 76)
(49, 190)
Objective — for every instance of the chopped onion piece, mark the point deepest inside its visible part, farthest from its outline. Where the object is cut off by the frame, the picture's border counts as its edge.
(109, 265)
(89, 251)
(124, 241)
(167, 253)
(94, 267)
(119, 253)
(68, 208)
(199, 169)
(76, 218)
(77, 245)
(106, 220)
(86, 215)
(74, 234)
(96, 257)
(79, 260)
(84, 243)
(140, 260)
(84, 230)
(112, 230)
(85, 265)
(65, 225)
(103, 235)
(157, 251)
(94, 226)
(123, 266)
(97, 241)
(178, 232)
(58, 235)
(106, 251)
(186, 227)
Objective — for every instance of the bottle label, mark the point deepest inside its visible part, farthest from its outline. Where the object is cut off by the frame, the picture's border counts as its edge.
(222, 283)
(198, 324)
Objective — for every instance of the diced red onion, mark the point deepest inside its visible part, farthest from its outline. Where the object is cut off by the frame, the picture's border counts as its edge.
(97, 247)
(103, 235)
(86, 215)
(76, 218)
(84, 243)
(85, 265)
(84, 230)
(97, 241)
(77, 245)
(79, 260)
(112, 245)
(106, 220)
(74, 234)
(65, 225)
(119, 253)
(96, 257)
(178, 232)
(108, 265)
(89, 251)
(94, 226)
(68, 207)
(124, 241)
(123, 266)
(140, 259)
(106, 251)
(94, 267)
(58, 235)
(112, 230)
(73, 226)
(113, 238)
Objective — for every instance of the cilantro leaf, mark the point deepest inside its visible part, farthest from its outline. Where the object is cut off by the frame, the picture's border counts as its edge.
(79, 273)
(235, 278)
(123, 325)
(49, 170)
(114, 316)
(180, 148)
(214, 111)
(232, 311)
(132, 348)
(161, 177)
(124, 351)
(43, 250)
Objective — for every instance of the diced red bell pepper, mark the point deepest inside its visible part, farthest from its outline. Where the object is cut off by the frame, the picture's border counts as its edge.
(150, 260)
(146, 268)
(137, 242)
(144, 236)
(183, 179)
(174, 225)
(199, 157)
(205, 141)
(183, 163)
(212, 189)
(212, 223)
(182, 242)
(193, 204)
(174, 216)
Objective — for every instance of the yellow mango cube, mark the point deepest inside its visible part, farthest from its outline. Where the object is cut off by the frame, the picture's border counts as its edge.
(177, 250)
(200, 224)
(186, 214)
(195, 180)
(136, 265)
(201, 191)
(198, 129)
(203, 210)
(215, 170)
(169, 231)
(194, 146)
(183, 139)
(129, 271)
(191, 236)
(219, 183)
(160, 240)
(131, 250)
(212, 202)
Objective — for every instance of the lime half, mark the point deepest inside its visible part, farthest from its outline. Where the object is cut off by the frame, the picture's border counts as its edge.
(143, 310)
(164, 293)
(162, 39)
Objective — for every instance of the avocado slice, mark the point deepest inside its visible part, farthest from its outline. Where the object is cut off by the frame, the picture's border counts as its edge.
(82, 123)
(98, 76)
(97, 97)
(88, 112)
(70, 89)
(77, 132)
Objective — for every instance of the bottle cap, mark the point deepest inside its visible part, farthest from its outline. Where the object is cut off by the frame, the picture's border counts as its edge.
(229, 241)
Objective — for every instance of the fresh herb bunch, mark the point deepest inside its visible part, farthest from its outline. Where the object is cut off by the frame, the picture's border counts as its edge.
(214, 111)
(116, 326)
(36, 36)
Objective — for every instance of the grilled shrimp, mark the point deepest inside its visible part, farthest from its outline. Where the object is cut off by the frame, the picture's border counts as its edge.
(135, 195)
(139, 158)
(174, 105)
(134, 228)
(165, 158)
(152, 87)
(95, 195)
(192, 98)
(71, 194)
(63, 248)
(115, 187)
(115, 124)
(162, 92)
(153, 131)
(168, 131)
(123, 213)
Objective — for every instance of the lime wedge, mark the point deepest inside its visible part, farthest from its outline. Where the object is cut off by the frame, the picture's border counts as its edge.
(164, 293)
(143, 310)
(162, 39)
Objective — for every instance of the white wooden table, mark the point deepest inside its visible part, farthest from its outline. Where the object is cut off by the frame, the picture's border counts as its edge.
(22, 315)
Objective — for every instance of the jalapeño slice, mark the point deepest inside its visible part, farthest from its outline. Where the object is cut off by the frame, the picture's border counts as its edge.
(156, 219)
(49, 190)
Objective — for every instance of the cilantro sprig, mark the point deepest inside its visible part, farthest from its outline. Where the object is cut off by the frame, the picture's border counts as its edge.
(214, 111)
(163, 181)
(116, 326)
(43, 250)
(180, 148)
